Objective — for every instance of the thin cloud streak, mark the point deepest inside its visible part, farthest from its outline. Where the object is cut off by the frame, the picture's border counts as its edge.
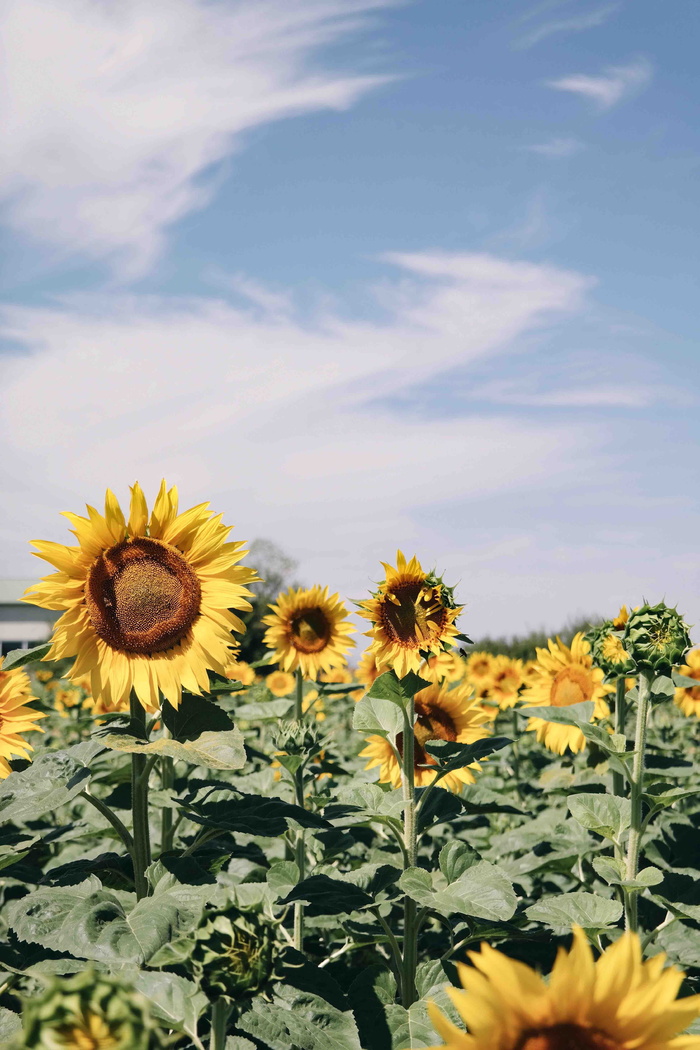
(575, 24)
(558, 148)
(609, 89)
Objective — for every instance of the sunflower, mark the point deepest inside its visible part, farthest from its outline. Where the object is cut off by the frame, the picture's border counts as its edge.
(147, 602)
(441, 714)
(447, 666)
(280, 683)
(507, 678)
(15, 717)
(477, 669)
(308, 629)
(413, 616)
(339, 676)
(366, 674)
(240, 671)
(64, 699)
(615, 1003)
(687, 698)
(562, 677)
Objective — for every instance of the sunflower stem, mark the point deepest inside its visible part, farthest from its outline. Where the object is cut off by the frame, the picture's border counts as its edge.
(410, 930)
(167, 779)
(618, 780)
(220, 1011)
(300, 847)
(298, 695)
(636, 790)
(139, 804)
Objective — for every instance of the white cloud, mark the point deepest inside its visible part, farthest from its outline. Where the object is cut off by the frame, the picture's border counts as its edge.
(609, 88)
(617, 395)
(115, 113)
(278, 421)
(558, 147)
(572, 24)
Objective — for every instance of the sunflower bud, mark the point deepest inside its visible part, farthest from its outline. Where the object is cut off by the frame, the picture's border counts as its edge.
(607, 649)
(232, 954)
(297, 738)
(656, 638)
(89, 1010)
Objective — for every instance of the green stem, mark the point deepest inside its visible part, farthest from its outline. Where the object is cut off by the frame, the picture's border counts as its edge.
(108, 814)
(300, 846)
(139, 805)
(167, 778)
(410, 938)
(220, 1011)
(636, 790)
(618, 780)
(298, 696)
(395, 949)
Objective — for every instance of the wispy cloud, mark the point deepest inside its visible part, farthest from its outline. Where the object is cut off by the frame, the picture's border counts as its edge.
(610, 87)
(558, 147)
(115, 114)
(572, 24)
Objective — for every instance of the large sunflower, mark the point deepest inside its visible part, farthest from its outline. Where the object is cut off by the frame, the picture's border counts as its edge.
(618, 1002)
(413, 616)
(15, 717)
(687, 698)
(563, 676)
(147, 602)
(309, 629)
(441, 714)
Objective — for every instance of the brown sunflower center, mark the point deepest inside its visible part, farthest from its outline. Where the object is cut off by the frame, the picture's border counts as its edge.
(310, 630)
(411, 614)
(572, 685)
(432, 723)
(566, 1037)
(142, 596)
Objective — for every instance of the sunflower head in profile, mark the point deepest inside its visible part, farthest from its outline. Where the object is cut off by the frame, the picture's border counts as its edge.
(656, 637)
(613, 1003)
(147, 602)
(413, 616)
(16, 717)
(606, 646)
(687, 698)
(441, 714)
(308, 629)
(564, 676)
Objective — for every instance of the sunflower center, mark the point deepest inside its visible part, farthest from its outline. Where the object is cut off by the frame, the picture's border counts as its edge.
(142, 596)
(432, 723)
(614, 650)
(566, 1037)
(411, 614)
(94, 1035)
(310, 630)
(572, 685)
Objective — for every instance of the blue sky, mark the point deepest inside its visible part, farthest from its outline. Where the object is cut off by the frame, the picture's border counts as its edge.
(366, 275)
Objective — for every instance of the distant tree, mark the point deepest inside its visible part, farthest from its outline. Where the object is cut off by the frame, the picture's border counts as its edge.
(523, 646)
(276, 569)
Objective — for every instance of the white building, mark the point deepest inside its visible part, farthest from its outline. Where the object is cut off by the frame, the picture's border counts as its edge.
(22, 626)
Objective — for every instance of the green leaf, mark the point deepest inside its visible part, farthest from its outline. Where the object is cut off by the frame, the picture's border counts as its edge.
(300, 1020)
(397, 690)
(174, 999)
(370, 993)
(573, 715)
(576, 909)
(52, 779)
(251, 814)
(451, 755)
(372, 800)
(265, 711)
(612, 871)
(482, 890)
(20, 657)
(455, 858)
(440, 806)
(326, 896)
(213, 749)
(10, 1025)
(194, 716)
(282, 877)
(410, 1028)
(681, 943)
(91, 923)
(681, 680)
(378, 716)
(295, 970)
(606, 815)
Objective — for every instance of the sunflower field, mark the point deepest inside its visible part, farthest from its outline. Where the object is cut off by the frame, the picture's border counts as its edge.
(410, 842)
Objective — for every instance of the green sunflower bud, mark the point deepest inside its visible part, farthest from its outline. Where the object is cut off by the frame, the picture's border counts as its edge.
(297, 738)
(89, 1011)
(232, 954)
(656, 638)
(608, 651)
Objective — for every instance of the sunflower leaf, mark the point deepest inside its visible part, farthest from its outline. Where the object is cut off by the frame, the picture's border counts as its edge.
(20, 657)
(681, 680)
(174, 999)
(213, 749)
(482, 890)
(52, 779)
(573, 715)
(251, 814)
(603, 814)
(299, 1019)
(194, 716)
(452, 755)
(378, 716)
(326, 896)
(397, 690)
(565, 910)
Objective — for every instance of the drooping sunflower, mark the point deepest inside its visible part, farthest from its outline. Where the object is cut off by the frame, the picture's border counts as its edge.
(687, 698)
(441, 714)
(309, 629)
(146, 602)
(507, 678)
(280, 683)
(413, 615)
(16, 717)
(563, 676)
(617, 1002)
